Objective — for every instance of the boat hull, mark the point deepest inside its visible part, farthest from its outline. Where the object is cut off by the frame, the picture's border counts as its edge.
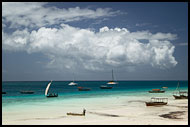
(26, 92)
(156, 91)
(84, 89)
(103, 87)
(52, 95)
(75, 114)
(155, 103)
(180, 97)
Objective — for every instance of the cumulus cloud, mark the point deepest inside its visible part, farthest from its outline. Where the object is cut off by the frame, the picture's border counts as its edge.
(71, 47)
(38, 14)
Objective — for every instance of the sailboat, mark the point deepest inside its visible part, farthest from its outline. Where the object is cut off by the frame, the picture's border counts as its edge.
(180, 94)
(50, 94)
(112, 81)
(73, 83)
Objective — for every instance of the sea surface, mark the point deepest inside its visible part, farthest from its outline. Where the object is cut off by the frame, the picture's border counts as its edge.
(13, 97)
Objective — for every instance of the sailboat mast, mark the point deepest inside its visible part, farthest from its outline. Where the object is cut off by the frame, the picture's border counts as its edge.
(112, 75)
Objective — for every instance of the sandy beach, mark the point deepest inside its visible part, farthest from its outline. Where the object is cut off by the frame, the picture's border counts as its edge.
(116, 110)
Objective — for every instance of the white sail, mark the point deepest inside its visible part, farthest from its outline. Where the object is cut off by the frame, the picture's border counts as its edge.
(47, 88)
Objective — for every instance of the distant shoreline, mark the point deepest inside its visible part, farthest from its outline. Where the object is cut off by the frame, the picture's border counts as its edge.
(92, 80)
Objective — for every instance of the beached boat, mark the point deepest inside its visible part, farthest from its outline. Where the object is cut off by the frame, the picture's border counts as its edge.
(157, 101)
(105, 87)
(26, 92)
(77, 114)
(83, 89)
(3, 92)
(50, 94)
(156, 91)
(112, 81)
(180, 94)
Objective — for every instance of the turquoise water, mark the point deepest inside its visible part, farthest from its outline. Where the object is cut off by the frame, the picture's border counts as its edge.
(66, 92)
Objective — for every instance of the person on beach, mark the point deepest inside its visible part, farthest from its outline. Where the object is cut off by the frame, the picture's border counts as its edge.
(84, 111)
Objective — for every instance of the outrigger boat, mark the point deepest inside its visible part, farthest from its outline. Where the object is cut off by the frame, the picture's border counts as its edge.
(51, 94)
(77, 114)
(156, 91)
(105, 87)
(83, 89)
(157, 101)
(26, 92)
(180, 94)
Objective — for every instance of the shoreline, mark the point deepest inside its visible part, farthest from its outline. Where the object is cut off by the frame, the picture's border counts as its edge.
(115, 110)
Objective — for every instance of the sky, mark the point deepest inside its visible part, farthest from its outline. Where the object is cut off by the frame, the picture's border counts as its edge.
(86, 40)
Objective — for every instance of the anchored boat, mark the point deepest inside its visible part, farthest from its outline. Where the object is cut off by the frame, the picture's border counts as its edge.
(156, 91)
(83, 89)
(105, 87)
(112, 81)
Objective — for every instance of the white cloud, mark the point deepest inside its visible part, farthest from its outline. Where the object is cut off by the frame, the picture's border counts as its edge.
(71, 47)
(37, 14)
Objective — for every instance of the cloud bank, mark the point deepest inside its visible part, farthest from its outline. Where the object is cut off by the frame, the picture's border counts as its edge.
(72, 47)
(38, 14)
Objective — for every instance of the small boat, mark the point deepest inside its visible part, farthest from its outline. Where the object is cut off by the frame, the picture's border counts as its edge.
(77, 114)
(156, 91)
(83, 89)
(157, 101)
(26, 92)
(105, 87)
(112, 81)
(180, 94)
(50, 94)
(3, 92)
(72, 84)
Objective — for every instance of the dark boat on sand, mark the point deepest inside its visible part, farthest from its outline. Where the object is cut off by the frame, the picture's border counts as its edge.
(180, 94)
(77, 114)
(157, 101)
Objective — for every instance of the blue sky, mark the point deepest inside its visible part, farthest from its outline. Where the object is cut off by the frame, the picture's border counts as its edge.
(51, 41)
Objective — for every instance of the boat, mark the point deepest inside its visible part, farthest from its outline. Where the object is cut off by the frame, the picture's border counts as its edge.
(77, 114)
(112, 81)
(157, 101)
(72, 83)
(26, 92)
(156, 91)
(180, 94)
(83, 89)
(3, 92)
(50, 94)
(105, 87)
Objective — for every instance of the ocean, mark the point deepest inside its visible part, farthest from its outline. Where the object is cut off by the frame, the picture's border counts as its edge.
(66, 92)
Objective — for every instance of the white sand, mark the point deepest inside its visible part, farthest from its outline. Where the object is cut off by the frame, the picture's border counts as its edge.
(131, 111)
